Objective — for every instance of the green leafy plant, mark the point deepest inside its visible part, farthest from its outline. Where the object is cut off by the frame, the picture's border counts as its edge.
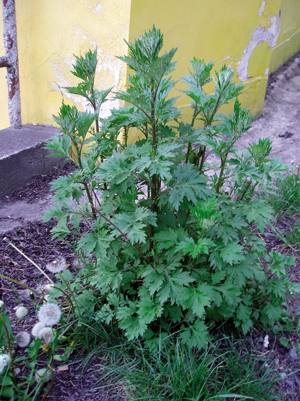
(168, 228)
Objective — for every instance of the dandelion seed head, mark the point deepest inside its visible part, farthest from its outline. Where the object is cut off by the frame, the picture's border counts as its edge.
(46, 334)
(4, 361)
(42, 375)
(37, 328)
(21, 311)
(266, 341)
(49, 314)
(23, 339)
(57, 265)
(1, 303)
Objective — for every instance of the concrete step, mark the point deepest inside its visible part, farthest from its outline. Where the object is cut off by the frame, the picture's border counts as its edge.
(22, 155)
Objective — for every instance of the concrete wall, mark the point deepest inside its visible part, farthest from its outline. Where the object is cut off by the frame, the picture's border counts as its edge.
(241, 33)
(254, 36)
(289, 38)
(50, 32)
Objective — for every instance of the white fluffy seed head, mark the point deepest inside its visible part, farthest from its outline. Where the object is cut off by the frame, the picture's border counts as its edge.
(42, 375)
(37, 328)
(49, 314)
(57, 265)
(4, 361)
(266, 341)
(21, 312)
(23, 339)
(1, 303)
(46, 334)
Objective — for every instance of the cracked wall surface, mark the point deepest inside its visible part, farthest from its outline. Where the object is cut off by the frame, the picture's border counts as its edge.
(261, 34)
(254, 37)
(288, 43)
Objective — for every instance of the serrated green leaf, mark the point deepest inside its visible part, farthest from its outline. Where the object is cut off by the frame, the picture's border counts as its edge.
(197, 298)
(259, 213)
(173, 286)
(188, 184)
(149, 308)
(196, 335)
(243, 315)
(133, 224)
(130, 321)
(153, 279)
(272, 312)
(232, 253)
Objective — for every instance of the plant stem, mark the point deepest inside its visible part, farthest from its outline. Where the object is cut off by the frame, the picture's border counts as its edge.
(202, 155)
(84, 183)
(90, 199)
(190, 144)
(124, 236)
(155, 182)
(13, 280)
(208, 122)
(30, 260)
(126, 129)
(220, 177)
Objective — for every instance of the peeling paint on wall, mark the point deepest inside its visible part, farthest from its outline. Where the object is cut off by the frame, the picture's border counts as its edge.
(50, 34)
(98, 8)
(108, 66)
(288, 43)
(261, 34)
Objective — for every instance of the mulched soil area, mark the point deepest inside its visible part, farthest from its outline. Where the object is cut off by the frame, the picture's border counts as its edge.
(38, 186)
(82, 384)
(35, 241)
(76, 383)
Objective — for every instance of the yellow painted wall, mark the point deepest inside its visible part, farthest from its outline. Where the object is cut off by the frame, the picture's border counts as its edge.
(50, 32)
(289, 39)
(219, 31)
(242, 33)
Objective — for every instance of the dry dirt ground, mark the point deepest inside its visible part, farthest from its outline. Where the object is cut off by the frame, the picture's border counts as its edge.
(280, 120)
(20, 222)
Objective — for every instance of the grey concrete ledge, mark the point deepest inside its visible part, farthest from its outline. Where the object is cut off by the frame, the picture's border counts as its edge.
(23, 156)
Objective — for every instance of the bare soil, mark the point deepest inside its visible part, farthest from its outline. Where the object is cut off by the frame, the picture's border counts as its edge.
(280, 119)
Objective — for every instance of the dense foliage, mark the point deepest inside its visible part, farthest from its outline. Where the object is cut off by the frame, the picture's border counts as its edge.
(168, 228)
(223, 371)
